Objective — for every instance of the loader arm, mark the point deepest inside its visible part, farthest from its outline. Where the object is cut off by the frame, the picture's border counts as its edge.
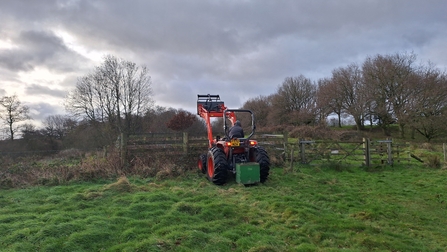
(207, 116)
(209, 106)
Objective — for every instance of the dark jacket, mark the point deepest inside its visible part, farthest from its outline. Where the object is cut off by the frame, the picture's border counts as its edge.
(236, 131)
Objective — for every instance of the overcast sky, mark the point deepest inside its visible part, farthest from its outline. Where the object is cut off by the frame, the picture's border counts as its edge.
(239, 49)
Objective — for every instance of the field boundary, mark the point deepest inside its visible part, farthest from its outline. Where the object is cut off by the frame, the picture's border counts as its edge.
(281, 148)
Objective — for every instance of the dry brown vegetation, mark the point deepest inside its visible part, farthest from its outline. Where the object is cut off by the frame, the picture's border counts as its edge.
(73, 165)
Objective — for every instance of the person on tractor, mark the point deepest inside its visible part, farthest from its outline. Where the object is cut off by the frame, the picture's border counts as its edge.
(236, 130)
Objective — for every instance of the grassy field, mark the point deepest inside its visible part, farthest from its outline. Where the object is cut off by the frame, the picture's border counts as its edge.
(308, 209)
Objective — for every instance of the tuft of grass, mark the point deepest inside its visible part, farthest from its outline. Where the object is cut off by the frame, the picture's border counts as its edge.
(433, 161)
(120, 186)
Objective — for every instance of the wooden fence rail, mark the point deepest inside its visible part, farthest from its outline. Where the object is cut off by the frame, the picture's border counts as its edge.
(279, 146)
(366, 151)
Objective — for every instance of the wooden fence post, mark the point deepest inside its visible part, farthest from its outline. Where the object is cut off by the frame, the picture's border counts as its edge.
(286, 142)
(366, 147)
(390, 151)
(291, 158)
(302, 151)
(104, 152)
(123, 148)
(185, 143)
(443, 148)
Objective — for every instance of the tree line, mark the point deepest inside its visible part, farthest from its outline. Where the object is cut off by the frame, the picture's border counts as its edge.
(116, 97)
(383, 90)
(61, 132)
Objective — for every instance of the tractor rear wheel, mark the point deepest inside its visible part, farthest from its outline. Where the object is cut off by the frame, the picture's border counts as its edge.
(217, 166)
(264, 163)
(201, 163)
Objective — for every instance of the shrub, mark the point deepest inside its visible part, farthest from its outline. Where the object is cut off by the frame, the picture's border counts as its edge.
(314, 132)
(433, 161)
(428, 146)
(93, 168)
(350, 135)
(277, 160)
(69, 153)
(161, 166)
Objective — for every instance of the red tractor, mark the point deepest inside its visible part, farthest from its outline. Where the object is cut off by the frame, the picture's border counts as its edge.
(240, 156)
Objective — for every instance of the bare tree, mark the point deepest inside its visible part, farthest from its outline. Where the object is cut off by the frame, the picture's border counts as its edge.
(329, 100)
(261, 106)
(429, 106)
(118, 92)
(295, 101)
(390, 78)
(349, 92)
(12, 112)
(58, 126)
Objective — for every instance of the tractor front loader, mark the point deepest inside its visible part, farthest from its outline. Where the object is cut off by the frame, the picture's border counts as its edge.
(241, 157)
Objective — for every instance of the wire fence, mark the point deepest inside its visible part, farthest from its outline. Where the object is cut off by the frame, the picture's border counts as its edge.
(280, 147)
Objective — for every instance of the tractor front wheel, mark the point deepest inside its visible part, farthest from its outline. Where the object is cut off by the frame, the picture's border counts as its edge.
(217, 166)
(201, 163)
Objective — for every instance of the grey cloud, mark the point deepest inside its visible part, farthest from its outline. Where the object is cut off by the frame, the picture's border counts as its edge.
(37, 48)
(234, 48)
(35, 89)
(210, 28)
(39, 111)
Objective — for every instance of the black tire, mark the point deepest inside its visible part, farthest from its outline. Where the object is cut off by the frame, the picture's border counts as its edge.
(201, 163)
(217, 166)
(264, 163)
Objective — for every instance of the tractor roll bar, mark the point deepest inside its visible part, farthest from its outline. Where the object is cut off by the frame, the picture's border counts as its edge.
(229, 113)
(208, 97)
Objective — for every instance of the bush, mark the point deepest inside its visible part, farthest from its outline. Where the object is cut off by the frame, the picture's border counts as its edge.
(433, 161)
(69, 153)
(314, 132)
(428, 146)
(72, 165)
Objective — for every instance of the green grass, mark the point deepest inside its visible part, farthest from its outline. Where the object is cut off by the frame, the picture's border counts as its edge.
(310, 209)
